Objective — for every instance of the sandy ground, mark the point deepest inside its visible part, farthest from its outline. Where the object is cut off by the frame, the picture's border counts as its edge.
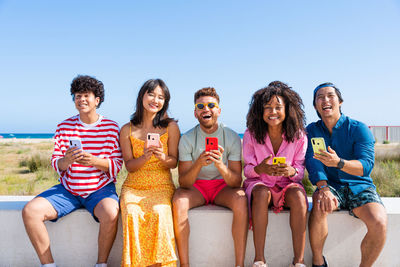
(387, 149)
(25, 140)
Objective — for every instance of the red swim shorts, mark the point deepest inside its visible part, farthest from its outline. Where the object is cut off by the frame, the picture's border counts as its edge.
(210, 188)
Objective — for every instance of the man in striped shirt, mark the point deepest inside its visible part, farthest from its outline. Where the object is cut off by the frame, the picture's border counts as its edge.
(88, 158)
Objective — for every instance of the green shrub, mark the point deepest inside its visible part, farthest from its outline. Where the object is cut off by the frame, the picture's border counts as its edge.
(23, 163)
(35, 162)
(308, 186)
(386, 142)
(386, 176)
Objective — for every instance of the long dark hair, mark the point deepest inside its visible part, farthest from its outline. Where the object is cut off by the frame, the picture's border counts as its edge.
(161, 119)
(294, 122)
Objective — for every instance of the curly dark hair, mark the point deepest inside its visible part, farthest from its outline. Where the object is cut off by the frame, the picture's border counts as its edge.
(207, 91)
(161, 119)
(85, 84)
(294, 123)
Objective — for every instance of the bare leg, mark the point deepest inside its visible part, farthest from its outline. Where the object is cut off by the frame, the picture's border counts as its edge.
(182, 201)
(261, 198)
(318, 230)
(296, 201)
(34, 214)
(235, 199)
(107, 212)
(375, 218)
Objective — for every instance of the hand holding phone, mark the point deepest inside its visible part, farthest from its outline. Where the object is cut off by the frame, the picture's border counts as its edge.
(153, 139)
(211, 143)
(318, 143)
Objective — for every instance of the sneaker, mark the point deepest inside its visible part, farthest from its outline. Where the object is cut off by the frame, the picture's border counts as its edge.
(260, 264)
(297, 265)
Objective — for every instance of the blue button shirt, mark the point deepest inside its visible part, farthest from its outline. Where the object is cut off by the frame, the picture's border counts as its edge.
(352, 140)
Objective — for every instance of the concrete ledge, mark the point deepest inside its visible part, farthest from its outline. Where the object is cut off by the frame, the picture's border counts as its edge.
(74, 238)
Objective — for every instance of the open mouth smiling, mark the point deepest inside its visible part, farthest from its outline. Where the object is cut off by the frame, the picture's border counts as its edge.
(273, 118)
(326, 107)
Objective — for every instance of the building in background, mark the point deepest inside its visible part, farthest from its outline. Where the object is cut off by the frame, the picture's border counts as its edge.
(386, 133)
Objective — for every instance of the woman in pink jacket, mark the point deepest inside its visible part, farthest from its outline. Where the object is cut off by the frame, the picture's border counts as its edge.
(275, 128)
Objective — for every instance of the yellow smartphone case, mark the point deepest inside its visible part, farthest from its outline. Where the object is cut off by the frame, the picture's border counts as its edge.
(277, 160)
(317, 144)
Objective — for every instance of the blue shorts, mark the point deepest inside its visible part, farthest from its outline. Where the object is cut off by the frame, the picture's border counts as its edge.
(64, 202)
(347, 200)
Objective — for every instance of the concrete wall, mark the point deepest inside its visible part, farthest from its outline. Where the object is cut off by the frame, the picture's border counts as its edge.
(74, 238)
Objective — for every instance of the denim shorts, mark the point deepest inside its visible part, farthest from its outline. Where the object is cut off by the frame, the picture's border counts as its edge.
(347, 200)
(64, 202)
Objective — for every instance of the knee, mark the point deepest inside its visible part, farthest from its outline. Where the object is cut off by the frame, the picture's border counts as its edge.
(379, 225)
(26, 212)
(298, 200)
(317, 214)
(260, 193)
(180, 204)
(239, 204)
(109, 215)
(30, 211)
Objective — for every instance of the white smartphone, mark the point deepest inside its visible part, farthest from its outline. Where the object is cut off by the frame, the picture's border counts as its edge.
(75, 143)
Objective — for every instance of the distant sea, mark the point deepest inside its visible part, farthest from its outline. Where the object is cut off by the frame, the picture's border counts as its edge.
(38, 135)
(27, 135)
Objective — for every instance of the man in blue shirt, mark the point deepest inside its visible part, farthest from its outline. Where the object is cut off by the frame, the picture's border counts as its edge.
(342, 176)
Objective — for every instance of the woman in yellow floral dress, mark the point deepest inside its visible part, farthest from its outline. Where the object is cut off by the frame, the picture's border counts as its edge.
(147, 191)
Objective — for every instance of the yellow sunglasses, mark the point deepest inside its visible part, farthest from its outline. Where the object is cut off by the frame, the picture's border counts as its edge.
(210, 105)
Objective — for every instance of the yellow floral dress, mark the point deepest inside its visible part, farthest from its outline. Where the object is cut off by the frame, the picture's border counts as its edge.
(146, 212)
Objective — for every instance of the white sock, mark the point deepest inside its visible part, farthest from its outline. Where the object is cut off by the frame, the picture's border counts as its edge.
(101, 265)
(48, 265)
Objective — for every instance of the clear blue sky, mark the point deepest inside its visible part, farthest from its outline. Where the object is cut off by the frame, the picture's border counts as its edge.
(235, 46)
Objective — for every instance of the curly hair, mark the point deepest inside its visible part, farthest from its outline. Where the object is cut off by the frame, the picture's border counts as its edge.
(161, 119)
(207, 91)
(294, 123)
(85, 84)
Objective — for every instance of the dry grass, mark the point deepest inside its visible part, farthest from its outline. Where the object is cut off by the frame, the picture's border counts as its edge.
(25, 169)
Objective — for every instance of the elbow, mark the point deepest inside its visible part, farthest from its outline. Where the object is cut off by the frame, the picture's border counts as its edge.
(237, 182)
(129, 168)
(174, 164)
(183, 184)
(366, 167)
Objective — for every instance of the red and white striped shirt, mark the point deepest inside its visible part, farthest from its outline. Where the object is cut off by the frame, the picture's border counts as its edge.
(101, 139)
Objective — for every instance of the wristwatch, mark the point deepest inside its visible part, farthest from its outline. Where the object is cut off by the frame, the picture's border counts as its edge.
(340, 164)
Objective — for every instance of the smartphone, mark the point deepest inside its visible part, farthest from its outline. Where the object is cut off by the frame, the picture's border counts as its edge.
(75, 143)
(278, 160)
(211, 143)
(153, 139)
(318, 143)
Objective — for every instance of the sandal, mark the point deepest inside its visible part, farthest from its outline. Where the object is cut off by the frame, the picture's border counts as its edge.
(324, 265)
(260, 264)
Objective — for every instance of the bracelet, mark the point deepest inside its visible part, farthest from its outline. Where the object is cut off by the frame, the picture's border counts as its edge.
(322, 187)
(295, 172)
